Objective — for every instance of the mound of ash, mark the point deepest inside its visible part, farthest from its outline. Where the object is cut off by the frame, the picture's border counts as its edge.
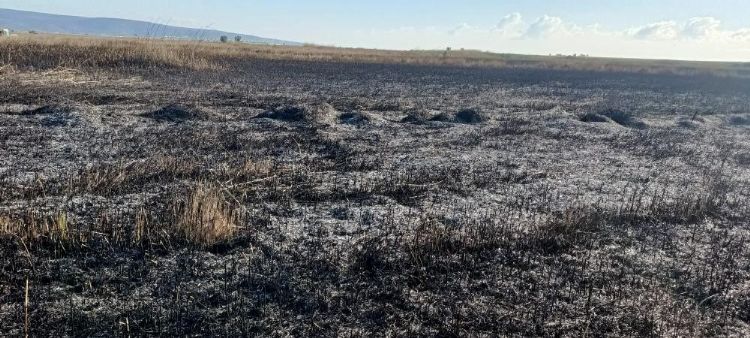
(594, 118)
(354, 118)
(417, 116)
(694, 122)
(469, 116)
(54, 116)
(739, 120)
(464, 116)
(286, 113)
(442, 117)
(617, 116)
(321, 113)
(176, 113)
(48, 110)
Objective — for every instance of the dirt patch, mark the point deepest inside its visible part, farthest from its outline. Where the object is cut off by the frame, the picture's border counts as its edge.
(176, 113)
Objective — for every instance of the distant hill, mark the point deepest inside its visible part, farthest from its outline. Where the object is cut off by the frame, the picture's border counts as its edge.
(23, 21)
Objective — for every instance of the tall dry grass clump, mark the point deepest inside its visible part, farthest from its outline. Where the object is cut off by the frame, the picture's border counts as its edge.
(34, 226)
(52, 52)
(205, 217)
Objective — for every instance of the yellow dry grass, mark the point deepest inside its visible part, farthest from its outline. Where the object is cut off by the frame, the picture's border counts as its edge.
(34, 226)
(205, 217)
(56, 51)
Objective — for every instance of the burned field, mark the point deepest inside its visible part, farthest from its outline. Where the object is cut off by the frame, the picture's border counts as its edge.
(296, 198)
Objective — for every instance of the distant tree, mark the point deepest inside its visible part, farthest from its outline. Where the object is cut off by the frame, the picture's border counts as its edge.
(237, 38)
(224, 39)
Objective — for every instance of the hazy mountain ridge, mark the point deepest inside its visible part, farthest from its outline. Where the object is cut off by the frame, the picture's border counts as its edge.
(66, 24)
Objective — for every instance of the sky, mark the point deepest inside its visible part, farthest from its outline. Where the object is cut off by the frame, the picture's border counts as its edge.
(663, 29)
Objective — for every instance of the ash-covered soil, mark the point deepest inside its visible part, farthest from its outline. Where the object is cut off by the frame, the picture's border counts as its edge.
(322, 199)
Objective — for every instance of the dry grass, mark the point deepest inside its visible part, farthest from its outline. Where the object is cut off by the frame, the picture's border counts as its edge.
(72, 52)
(206, 217)
(52, 51)
(35, 226)
(112, 178)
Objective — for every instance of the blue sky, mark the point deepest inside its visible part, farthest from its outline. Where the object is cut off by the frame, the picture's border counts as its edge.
(687, 29)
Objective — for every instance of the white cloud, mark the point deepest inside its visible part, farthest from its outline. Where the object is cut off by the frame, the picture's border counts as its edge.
(665, 30)
(511, 25)
(704, 27)
(741, 35)
(701, 38)
(510, 21)
(546, 26)
(698, 28)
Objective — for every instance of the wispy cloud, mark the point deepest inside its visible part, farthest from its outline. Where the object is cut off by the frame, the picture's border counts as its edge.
(464, 27)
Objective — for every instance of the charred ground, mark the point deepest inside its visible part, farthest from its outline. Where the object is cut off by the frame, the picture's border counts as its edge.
(299, 198)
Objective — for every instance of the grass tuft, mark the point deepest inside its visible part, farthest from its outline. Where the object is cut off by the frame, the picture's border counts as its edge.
(206, 218)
